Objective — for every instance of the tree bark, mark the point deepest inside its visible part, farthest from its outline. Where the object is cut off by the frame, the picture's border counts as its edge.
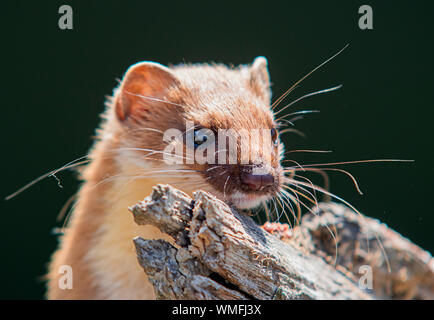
(219, 253)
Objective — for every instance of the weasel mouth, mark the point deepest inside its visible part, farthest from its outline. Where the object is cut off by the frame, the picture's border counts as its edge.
(247, 201)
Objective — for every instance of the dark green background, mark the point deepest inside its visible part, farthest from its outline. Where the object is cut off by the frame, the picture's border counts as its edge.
(55, 83)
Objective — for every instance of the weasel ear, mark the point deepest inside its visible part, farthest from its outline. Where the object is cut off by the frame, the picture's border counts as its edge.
(144, 84)
(260, 78)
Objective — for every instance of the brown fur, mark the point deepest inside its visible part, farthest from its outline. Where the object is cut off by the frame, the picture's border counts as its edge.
(98, 241)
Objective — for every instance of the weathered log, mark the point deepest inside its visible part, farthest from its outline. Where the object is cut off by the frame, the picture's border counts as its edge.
(218, 253)
(401, 269)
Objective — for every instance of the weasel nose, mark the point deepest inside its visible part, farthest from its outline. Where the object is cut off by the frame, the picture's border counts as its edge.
(256, 181)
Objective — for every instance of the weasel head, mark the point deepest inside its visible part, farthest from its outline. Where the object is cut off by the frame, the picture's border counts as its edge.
(202, 126)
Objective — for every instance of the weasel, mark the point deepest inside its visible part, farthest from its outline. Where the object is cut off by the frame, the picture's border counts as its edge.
(133, 151)
(128, 159)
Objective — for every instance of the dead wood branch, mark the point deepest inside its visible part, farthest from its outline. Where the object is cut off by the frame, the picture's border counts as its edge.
(219, 253)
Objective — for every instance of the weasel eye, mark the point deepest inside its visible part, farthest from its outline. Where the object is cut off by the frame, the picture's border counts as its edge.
(199, 138)
(274, 135)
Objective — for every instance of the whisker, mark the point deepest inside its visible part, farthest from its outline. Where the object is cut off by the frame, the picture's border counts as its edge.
(68, 217)
(297, 112)
(218, 151)
(292, 120)
(275, 211)
(280, 123)
(224, 188)
(281, 203)
(282, 196)
(283, 96)
(296, 201)
(351, 162)
(308, 95)
(292, 181)
(310, 182)
(356, 185)
(74, 163)
(312, 151)
(144, 129)
(326, 226)
(313, 200)
(65, 207)
(151, 152)
(290, 160)
(301, 134)
(267, 211)
(157, 100)
(69, 165)
(145, 174)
